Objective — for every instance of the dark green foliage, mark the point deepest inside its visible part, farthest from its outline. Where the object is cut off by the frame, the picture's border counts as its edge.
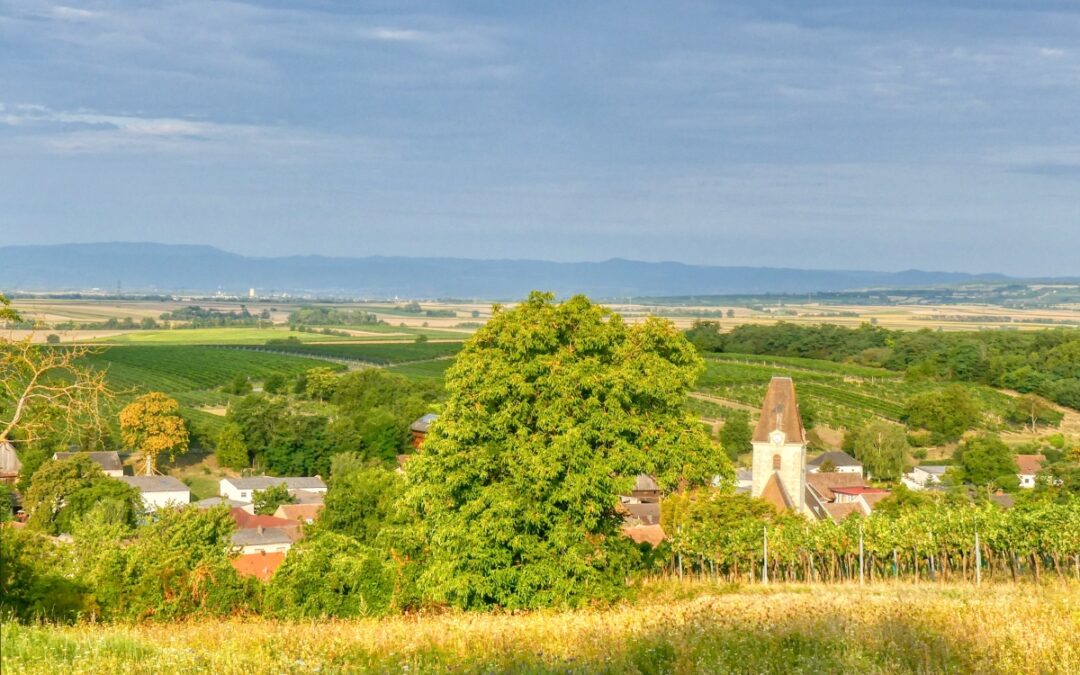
(736, 434)
(230, 449)
(275, 384)
(378, 354)
(33, 585)
(946, 413)
(238, 386)
(331, 575)
(267, 501)
(986, 461)
(363, 499)
(62, 491)
(553, 409)
(194, 316)
(331, 316)
(7, 502)
(706, 336)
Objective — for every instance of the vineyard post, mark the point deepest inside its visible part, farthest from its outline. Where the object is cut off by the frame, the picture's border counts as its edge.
(978, 561)
(765, 555)
(860, 554)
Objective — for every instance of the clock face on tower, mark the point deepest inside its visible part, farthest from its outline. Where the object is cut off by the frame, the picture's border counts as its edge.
(777, 437)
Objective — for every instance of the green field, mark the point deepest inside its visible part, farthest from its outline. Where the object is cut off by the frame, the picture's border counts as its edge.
(185, 368)
(840, 395)
(378, 354)
(215, 336)
(429, 370)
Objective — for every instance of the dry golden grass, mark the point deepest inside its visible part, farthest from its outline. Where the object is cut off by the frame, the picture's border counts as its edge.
(672, 627)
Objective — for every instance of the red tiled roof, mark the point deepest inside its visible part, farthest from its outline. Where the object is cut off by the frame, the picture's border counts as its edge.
(247, 521)
(840, 511)
(259, 565)
(775, 494)
(1030, 464)
(824, 483)
(780, 406)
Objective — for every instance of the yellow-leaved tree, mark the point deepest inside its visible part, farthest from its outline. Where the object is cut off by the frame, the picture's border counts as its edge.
(153, 425)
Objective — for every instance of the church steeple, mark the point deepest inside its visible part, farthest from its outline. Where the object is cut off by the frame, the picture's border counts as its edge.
(779, 470)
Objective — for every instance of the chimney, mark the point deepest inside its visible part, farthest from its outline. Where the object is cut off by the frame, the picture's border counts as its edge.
(260, 529)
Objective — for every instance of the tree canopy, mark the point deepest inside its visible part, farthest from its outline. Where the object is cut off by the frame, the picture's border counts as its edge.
(553, 410)
(152, 424)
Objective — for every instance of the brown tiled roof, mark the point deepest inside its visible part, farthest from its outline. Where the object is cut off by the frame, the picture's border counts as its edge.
(647, 513)
(259, 565)
(650, 534)
(775, 494)
(840, 511)
(1030, 464)
(823, 483)
(780, 406)
(872, 498)
(298, 512)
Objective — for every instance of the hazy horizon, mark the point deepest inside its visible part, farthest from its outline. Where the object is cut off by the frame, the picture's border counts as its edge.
(929, 135)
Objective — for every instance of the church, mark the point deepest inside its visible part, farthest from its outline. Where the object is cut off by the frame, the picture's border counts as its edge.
(780, 475)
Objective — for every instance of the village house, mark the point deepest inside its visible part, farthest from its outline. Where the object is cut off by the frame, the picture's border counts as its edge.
(108, 461)
(262, 540)
(244, 489)
(159, 491)
(839, 462)
(1029, 466)
(924, 476)
(301, 513)
(260, 565)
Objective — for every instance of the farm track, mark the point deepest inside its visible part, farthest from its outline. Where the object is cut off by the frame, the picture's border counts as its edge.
(726, 402)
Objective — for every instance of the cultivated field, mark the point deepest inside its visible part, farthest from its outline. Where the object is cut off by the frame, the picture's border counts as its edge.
(673, 627)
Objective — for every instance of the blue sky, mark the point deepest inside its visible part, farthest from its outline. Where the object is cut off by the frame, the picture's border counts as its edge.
(936, 135)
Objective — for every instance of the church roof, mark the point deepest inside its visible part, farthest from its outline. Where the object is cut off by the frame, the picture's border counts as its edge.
(775, 494)
(780, 410)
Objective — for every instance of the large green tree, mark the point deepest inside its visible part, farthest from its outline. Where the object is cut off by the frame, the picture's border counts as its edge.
(947, 413)
(986, 461)
(62, 491)
(882, 448)
(736, 435)
(553, 410)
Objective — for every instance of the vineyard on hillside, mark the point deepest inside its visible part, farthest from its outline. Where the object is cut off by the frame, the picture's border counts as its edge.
(183, 368)
(376, 354)
(837, 394)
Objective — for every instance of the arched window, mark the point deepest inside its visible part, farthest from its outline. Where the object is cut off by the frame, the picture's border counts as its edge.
(776, 462)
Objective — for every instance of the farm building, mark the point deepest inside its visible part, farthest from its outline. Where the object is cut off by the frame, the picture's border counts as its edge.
(1029, 466)
(244, 489)
(159, 491)
(108, 461)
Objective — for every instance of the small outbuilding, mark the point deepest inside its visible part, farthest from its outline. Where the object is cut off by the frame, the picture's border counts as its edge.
(159, 491)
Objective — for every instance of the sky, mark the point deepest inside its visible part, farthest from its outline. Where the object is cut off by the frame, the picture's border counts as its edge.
(851, 134)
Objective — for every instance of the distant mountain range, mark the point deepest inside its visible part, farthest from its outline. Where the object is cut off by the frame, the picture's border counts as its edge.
(145, 267)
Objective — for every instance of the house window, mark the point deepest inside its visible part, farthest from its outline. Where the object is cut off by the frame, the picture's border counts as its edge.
(776, 462)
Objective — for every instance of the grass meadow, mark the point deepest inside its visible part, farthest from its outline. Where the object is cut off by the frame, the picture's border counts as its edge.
(672, 627)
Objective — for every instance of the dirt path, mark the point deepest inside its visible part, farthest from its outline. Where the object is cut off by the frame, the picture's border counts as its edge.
(727, 403)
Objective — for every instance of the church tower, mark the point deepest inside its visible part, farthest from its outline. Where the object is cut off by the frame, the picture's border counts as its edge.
(779, 467)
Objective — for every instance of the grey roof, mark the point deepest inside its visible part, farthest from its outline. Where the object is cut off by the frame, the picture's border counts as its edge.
(305, 497)
(256, 536)
(108, 461)
(292, 482)
(217, 501)
(421, 425)
(935, 469)
(837, 457)
(647, 513)
(154, 483)
(744, 475)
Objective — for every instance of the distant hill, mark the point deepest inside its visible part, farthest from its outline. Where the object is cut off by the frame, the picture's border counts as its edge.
(144, 267)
